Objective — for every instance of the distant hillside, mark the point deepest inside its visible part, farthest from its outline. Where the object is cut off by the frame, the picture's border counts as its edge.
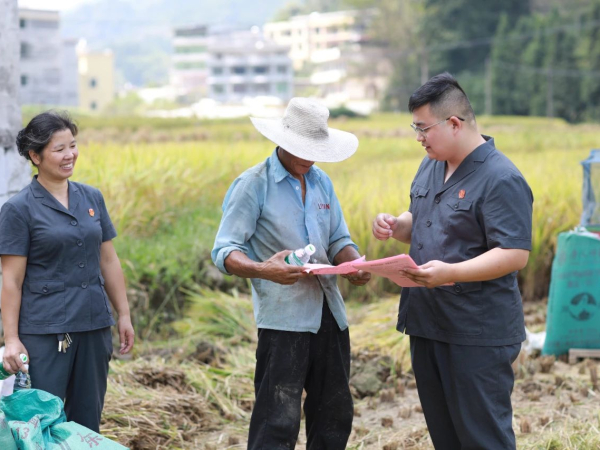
(139, 31)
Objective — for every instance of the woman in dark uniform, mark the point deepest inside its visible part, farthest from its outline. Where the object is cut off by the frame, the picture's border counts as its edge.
(60, 269)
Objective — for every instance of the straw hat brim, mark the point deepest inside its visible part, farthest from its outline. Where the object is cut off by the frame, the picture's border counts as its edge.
(338, 146)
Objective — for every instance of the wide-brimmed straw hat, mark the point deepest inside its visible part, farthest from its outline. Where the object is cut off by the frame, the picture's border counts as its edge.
(303, 132)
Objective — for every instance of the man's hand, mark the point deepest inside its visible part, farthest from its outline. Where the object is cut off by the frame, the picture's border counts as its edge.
(432, 274)
(384, 226)
(359, 278)
(11, 359)
(277, 270)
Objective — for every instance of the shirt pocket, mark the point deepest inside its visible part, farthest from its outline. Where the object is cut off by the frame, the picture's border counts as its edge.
(105, 295)
(417, 194)
(458, 309)
(46, 304)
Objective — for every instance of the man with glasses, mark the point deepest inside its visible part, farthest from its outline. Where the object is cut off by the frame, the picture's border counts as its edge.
(469, 226)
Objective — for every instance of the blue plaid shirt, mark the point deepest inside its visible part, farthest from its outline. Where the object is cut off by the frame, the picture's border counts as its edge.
(263, 214)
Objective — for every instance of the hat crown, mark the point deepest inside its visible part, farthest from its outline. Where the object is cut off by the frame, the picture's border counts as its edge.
(306, 117)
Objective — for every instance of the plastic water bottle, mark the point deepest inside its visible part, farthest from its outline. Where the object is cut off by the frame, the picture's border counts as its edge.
(22, 380)
(301, 256)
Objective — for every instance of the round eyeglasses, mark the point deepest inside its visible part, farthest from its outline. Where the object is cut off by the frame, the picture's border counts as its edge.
(423, 131)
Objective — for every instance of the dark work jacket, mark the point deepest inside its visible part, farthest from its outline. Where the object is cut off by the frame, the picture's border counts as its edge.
(485, 204)
(63, 290)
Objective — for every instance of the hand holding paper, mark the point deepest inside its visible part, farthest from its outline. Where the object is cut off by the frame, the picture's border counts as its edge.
(391, 268)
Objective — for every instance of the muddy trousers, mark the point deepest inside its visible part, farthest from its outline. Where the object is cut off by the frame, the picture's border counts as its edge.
(288, 362)
(465, 393)
(79, 376)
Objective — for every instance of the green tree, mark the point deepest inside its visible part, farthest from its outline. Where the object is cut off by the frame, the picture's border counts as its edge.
(589, 57)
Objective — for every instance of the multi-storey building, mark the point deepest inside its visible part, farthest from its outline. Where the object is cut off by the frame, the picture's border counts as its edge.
(246, 65)
(309, 35)
(190, 54)
(333, 57)
(40, 57)
(229, 65)
(96, 79)
(48, 64)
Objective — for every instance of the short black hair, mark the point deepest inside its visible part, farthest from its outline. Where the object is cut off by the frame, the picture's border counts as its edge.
(38, 132)
(444, 96)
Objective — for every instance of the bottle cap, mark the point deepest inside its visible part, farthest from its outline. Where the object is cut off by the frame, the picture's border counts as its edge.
(310, 249)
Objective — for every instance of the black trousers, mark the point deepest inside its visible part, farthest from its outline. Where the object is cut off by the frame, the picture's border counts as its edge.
(288, 362)
(465, 393)
(79, 376)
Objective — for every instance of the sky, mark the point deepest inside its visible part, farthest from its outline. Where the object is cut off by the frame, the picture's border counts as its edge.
(54, 5)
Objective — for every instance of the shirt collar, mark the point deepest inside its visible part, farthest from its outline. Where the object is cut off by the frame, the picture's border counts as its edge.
(40, 191)
(482, 152)
(280, 172)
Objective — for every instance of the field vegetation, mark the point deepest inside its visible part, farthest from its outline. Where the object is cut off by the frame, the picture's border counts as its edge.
(189, 384)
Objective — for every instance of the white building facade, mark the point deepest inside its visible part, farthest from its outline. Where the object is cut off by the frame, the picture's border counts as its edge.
(229, 66)
(48, 65)
(246, 65)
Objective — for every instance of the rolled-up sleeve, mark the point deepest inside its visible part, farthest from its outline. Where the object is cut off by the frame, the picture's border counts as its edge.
(339, 237)
(14, 232)
(507, 213)
(241, 211)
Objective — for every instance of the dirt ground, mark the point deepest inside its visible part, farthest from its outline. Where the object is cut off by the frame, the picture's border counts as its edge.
(154, 405)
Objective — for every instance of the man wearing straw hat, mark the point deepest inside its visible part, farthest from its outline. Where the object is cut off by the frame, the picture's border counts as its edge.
(281, 204)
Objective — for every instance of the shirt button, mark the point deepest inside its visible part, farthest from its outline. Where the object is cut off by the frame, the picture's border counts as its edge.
(81, 264)
(456, 206)
(428, 223)
(45, 289)
(74, 223)
(457, 288)
(79, 242)
(297, 188)
(84, 285)
(420, 246)
(437, 199)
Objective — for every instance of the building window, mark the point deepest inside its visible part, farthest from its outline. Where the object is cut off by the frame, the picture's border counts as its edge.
(25, 50)
(239, 88)
(217, 71)
(190, 65)
(44, 24)
(22, 23)
(238, 70)
(317, 30)
(286, 33)
(261, 69)
(93, 106)
(218, 88)
(261, 88)
(282, 69)
(191, 49)
(218, 55)
(24, 80)
(93, 83)
(282, 88)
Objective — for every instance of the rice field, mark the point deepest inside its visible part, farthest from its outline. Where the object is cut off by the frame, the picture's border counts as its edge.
(164, 186)
(189, 384)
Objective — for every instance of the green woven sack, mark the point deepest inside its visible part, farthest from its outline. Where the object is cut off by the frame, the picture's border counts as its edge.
(573, 319)
(35, 420)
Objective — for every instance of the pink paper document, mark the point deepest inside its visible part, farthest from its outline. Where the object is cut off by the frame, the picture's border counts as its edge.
(386, 267)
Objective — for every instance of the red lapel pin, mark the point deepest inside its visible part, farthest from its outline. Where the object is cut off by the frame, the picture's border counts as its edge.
(91, 211)
(461, 193)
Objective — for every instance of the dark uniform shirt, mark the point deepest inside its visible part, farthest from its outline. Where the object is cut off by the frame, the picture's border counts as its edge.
(485, 204)
(63, 290)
